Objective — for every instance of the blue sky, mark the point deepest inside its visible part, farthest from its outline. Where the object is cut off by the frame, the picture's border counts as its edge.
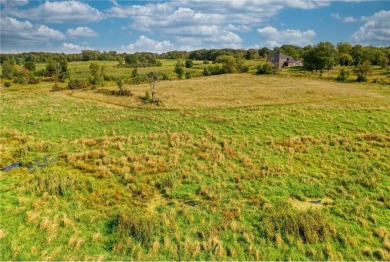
(160, 26)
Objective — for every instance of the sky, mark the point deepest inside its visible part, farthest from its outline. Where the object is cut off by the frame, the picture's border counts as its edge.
(166, 25)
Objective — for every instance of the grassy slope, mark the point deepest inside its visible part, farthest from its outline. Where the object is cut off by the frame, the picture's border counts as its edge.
(203, 177)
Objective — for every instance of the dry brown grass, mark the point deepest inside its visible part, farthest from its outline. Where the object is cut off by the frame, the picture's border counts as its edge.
(238, 90)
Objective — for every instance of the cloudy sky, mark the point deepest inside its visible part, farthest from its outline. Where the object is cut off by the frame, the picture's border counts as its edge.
(160, 26)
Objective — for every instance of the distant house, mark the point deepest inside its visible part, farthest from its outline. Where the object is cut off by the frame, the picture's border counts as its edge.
(282, 60)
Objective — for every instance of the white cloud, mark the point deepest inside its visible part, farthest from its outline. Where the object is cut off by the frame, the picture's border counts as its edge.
(62, 12)
(24, 33)
(348, 19)
(238, 28)
(375, 31)
(145, 44)
(81, 31)
(74, 47)
(290, 36)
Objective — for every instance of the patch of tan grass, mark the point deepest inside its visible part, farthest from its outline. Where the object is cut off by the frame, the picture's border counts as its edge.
(237, 90)
(310, 203)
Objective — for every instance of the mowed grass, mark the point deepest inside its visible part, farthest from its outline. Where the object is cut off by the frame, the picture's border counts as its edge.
(232, 167)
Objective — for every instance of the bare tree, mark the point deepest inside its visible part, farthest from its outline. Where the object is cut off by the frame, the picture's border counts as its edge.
(153, 77)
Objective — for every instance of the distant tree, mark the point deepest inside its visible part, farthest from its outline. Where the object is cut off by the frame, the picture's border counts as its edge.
(97, 74)
(344, 48)
(30, 66)
(252, 54)
(121, 60)
(228, 63)
(189, 63)
(320, 57)
(346, 60)
(385, 63)
(265, 52)
(294, 51)
(52, 68)
(152, 78)
(8, 69)
(134, 73)
(363, 70)
(179, 69)
(357, 54)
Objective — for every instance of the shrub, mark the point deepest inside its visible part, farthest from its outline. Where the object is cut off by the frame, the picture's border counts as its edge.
(267, 68)
(179, 70)
(343, 75)
(56, 87)
(78, 84)
(188, 75)
(147, 97)
(139, 79)
(189, 63)
(213, 70)
(7, 84)
(362, 71)
(164, 76)
(122, 92)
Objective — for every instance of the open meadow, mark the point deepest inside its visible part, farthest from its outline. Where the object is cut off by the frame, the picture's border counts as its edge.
(227, 167)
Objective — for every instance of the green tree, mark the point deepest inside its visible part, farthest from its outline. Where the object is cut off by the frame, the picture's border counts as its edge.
(153, 78)
(385, 63)
(189, 63)
(344, 48)
(8, 69)
(179, 69)
(252, 54)
(97, 74)
(228, 63)
(357, 54)
(343, 75)
(363, 70)
(346, 60)
(320, 57)
(30, 66)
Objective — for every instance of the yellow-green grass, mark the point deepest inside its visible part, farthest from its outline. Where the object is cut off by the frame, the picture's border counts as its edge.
(243, 90)
(201, 177)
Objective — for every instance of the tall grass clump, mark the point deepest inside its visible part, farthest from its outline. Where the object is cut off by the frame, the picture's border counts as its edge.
(54, 181)
(136, 223)
(285, 223)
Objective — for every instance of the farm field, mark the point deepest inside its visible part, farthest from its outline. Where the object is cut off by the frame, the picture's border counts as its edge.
(228, 167)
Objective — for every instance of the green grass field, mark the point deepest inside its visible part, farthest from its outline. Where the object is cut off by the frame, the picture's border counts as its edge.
(229, 167)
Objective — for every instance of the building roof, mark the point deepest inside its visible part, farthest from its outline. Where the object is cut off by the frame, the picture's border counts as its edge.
(281, 56)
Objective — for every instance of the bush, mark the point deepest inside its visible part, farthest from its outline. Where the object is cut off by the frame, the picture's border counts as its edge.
(189, 63)
(7, 84)
(139, 79)
(78, 84)
(267, 68)
(213, 70)
(56, 87)
(343, 75)
(362, 71)
(188, 75)
(164, 76)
